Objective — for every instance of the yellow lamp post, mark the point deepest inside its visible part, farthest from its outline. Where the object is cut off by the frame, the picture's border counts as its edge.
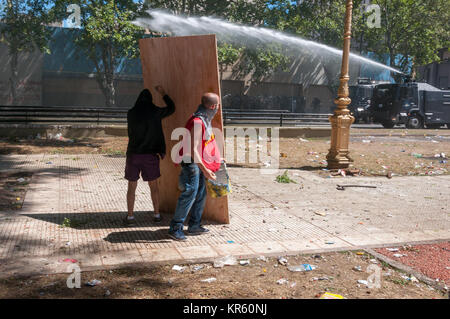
(338, 155)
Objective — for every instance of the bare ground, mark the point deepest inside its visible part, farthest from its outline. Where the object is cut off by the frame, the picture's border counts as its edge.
(375, 152)
(258, 280)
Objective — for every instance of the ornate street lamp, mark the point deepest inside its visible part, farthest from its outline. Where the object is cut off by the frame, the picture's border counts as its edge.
(338, 156)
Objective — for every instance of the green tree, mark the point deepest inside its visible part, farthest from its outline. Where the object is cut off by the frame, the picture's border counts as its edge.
(107, 37)
(227, 56)
(411, 32)
(23, 29)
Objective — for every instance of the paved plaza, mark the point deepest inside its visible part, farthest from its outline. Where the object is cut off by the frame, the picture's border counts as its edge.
(266, 217)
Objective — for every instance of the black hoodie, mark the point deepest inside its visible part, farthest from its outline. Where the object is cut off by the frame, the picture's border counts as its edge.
(144, 125)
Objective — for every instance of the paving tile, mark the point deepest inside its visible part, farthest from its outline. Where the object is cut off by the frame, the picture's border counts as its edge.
(122, 257)
(160, 254)
(233, 249)
(197, 252)
(270, 247)
(86, 190)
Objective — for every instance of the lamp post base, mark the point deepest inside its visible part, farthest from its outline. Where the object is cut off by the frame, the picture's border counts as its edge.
(338, 156)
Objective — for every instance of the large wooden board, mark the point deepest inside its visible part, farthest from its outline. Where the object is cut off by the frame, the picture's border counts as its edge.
(186, 67)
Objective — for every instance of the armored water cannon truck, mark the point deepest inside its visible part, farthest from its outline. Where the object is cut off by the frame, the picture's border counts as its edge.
(361, 95)
(414, 104)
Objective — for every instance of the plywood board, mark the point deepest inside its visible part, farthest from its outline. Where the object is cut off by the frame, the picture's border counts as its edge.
(186, 67)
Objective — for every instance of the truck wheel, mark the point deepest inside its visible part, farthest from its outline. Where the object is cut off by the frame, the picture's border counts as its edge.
(414, 122)
(388, 124)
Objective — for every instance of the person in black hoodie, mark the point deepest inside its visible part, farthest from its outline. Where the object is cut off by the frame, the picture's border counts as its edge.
(146, 146)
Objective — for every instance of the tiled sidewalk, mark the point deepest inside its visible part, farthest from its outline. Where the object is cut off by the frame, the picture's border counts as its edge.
(267, 218)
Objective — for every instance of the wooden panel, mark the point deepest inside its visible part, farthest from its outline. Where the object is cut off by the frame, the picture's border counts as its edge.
(186, 67)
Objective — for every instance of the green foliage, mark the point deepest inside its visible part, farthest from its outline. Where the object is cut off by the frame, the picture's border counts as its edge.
(258, 62)
(285, 178)
(66, 222)
(107, 36)
(227, 55)
(413, 29)
(23, 30)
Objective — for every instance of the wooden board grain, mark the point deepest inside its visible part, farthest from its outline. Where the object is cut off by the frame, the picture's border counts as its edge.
(186, 67)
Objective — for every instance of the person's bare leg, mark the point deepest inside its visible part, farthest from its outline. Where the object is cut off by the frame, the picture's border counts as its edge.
(131, 195)
(154, 191)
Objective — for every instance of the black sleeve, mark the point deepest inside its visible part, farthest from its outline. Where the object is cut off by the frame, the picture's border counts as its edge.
(169, 109)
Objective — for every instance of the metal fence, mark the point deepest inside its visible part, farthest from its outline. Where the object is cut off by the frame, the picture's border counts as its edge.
(73, 115)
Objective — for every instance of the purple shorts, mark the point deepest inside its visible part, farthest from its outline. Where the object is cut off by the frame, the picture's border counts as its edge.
(145, 164)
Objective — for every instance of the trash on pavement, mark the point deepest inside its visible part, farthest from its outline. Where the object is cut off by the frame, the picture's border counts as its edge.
(374, 261)
(282, 281)
(363, 282)
(21, 180)
(320, 278)
(357, 268)
(283, 261)
(227, 260)
(328, 295)
(303, 267)
(399, 255)
(320, 213)
(178, 268)
(209, 280)
(198, 267)
(70, 260)
(107, 293)
(392, 249)
(244, 262)
(262, 258)
(93, 283)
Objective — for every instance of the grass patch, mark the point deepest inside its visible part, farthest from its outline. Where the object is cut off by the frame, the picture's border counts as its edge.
(399, 281)
(72, 223)
(285, 178)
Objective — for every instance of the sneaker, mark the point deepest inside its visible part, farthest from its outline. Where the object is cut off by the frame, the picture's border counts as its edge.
(129, 221)
(177, 235)
(157, 218)
(197, 230)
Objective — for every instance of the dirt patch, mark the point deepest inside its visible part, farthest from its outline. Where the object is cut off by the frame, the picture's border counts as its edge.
(431, 260)
(375, 152)
(13, 187)
(259, 279)
(105, 145)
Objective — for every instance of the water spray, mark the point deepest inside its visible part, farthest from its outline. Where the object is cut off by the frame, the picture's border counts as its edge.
(248, 36)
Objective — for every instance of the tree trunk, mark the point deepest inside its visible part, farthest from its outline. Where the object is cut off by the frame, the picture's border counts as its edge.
(13, 80)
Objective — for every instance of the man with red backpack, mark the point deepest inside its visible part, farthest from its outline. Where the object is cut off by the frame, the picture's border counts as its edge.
(197, 165)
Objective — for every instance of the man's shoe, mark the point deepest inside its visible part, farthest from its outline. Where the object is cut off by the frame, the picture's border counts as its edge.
(177, 235)
(197, 230)
(157, 218)
(129, 221)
